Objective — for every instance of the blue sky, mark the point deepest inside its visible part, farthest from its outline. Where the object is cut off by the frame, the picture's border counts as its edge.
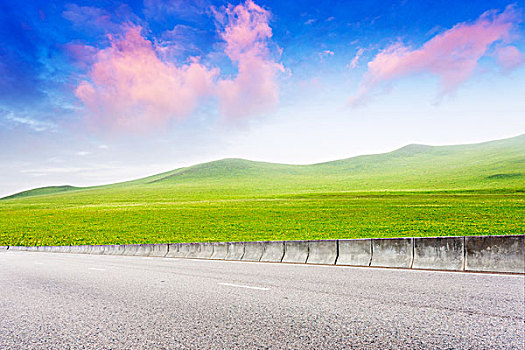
(101, 91)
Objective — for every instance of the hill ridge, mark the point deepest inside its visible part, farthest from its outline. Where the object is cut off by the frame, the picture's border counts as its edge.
(496, 163)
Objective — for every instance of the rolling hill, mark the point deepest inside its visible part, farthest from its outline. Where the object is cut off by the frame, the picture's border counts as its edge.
(417, 190)
(489, 165)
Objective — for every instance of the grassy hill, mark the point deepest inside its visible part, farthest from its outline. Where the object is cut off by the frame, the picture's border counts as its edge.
(415, 190)
(42, 191)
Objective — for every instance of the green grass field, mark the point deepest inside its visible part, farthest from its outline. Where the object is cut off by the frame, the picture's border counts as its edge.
(414, 191)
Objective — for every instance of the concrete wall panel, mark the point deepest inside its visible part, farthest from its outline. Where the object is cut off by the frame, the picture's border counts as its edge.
(322, 252)
(273, 251)
(439, 253)
(220, 251)
(295, 251)
(392, 252)
(253, 251)
(495, 253)
(355, 252)
(235, 251)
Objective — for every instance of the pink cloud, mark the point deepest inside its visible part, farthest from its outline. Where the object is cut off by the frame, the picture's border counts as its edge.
(81, 54)
(254, 90)
(130, 87)
(136, 84)
(509, 57)
(452, 55)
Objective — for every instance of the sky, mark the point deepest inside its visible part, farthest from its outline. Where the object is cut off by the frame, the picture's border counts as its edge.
(96, 92)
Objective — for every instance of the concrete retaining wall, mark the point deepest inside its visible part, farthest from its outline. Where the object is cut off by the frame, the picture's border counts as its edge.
(443, 253)
(82, 249)
(220, 250)
(476, 253)
(495, 253)
(143, 250)
(273, 251)
(295, 252)
(392, 252)
(158, 250)
(253, 251)
(355, 252)
(116, 250)
(110, 250)
(173, 250)
(235, 251)
(322, 252)
(75, 249)
(97, 249)
(200, 250)
(130, 249)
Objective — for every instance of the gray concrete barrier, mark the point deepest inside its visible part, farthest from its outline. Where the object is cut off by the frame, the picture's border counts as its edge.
(273, 251)
(130, 249)
(119, 249)
(185, 249)
(295, 251)
(392, 252)
(110, 249)
(158, 250)
(85, 249)
(193, 250)
(220, 251)
(173, 250)
(64, 249)
(235, 251)
(74, 249)
(355, 252)
(322, 252)
(439, 253)
(495, 253)
(253, 251)
(474, 253)
(143, 250)
(200, 251)
(97, 249)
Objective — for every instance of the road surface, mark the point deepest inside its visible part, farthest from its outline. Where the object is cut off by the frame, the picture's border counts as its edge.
(67, 301)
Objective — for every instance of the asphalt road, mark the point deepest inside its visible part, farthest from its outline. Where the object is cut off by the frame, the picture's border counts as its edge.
(67, 301)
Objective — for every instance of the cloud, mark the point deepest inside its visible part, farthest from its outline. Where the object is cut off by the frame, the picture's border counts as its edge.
(182, 40)
(356, 58)
(81, 54)
(247, 34)
(452, 55)
(509, 57)
(130, 87)
(89, 18)
(33, 124)
(188, 10)
(136, 84)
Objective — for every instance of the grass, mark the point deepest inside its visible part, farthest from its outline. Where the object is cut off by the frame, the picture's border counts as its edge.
(414, 191)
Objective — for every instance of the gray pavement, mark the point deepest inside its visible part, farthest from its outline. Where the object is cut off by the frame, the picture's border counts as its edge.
(67, 301)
